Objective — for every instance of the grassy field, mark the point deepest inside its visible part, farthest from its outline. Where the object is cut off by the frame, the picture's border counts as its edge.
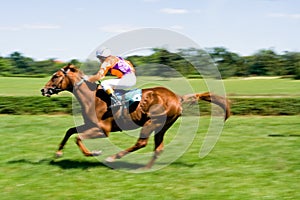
(22, 86)
(246, 163)
(234, 87)
(255, 158)
(262, 87)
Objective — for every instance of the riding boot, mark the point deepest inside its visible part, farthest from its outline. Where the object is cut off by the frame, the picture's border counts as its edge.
(114, 99)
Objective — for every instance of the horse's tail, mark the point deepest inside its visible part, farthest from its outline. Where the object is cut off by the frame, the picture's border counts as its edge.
(223, 102)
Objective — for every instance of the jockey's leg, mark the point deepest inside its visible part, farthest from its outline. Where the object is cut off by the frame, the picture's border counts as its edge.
(114, 99)
(127, 81)
(108, 88)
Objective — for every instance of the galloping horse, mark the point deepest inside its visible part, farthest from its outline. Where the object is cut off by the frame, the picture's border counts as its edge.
(156, 112)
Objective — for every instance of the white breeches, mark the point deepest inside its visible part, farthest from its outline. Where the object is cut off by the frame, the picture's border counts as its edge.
(127, 81)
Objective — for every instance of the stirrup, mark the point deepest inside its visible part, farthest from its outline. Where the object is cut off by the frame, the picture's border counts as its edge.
(115, 105)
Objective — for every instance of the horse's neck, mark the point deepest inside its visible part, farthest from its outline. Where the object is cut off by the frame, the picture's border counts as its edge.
(84, 95)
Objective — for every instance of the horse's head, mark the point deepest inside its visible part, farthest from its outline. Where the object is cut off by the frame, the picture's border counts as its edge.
(63, 79)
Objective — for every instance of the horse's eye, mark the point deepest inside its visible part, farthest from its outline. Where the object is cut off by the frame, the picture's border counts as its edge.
(54, 77)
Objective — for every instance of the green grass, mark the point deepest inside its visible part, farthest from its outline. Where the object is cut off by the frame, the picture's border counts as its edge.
(234, 87)
(15, 86)
(245, 164)
(262, 87)
(21, 86)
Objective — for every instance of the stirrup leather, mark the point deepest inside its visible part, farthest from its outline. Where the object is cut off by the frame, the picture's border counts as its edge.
(115, 101)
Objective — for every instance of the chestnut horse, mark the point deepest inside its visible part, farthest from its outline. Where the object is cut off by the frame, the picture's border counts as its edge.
(156, 112)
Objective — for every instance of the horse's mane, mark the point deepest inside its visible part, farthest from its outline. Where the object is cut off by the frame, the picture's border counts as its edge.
(92, 86)
(73, 68)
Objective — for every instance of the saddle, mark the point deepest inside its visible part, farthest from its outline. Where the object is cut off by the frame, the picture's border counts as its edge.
(129, 98)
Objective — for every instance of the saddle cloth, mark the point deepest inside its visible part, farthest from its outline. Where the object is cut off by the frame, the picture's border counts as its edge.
(129, 97)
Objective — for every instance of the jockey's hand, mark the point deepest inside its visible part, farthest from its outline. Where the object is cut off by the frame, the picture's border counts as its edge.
(85, 77)
(95, 77)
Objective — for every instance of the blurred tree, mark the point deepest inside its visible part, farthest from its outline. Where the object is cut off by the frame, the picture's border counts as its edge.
(161, 63)
(189, 62)
(198, 62)
(5, 66)
(22, 65)
(229, 63)
(265, 63)
(44, 67)
(90, 66)
(291, 62)
(75, 62)
(297, 70)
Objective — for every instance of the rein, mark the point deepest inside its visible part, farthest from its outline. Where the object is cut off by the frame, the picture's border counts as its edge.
(77, 84)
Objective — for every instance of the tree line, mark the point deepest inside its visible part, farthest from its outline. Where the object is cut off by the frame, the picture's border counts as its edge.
(187, 62)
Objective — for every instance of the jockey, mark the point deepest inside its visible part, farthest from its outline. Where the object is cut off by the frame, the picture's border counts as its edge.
(117, 66)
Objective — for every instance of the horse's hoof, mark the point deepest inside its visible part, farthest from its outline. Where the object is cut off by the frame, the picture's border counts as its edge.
(145, 168)
(96, 153)
(110, 159)
(58, 154)
(142, 169)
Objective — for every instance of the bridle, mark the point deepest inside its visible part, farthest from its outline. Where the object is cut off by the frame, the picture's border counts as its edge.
(57, 88)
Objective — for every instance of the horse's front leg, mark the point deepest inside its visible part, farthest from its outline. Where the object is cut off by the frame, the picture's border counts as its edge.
(90, 133)
(87, 133)
(68, 134)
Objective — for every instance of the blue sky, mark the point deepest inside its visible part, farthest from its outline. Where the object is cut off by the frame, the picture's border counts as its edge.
(65, 29)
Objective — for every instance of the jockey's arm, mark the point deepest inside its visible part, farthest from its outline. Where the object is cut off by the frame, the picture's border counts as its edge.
(95, 77)
(131, 66)
(105, 66)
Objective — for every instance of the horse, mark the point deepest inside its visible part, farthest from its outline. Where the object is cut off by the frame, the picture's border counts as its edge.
(157, 111)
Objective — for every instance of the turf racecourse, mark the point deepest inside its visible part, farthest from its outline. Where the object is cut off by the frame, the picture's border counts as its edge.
(16, 86)
(246, 163)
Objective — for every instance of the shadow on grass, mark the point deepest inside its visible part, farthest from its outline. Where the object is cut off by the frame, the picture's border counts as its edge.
(25, 161)
(63, 164)
(71, 164)
(79, 164)
(182, 164)
(75, 164)
(88, 164)
(121, 165)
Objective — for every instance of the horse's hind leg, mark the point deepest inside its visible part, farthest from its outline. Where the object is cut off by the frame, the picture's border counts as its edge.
(159, 144)
(141, 142)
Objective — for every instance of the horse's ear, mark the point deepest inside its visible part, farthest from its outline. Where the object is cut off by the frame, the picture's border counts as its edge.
(67, 66)
(72, 67)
